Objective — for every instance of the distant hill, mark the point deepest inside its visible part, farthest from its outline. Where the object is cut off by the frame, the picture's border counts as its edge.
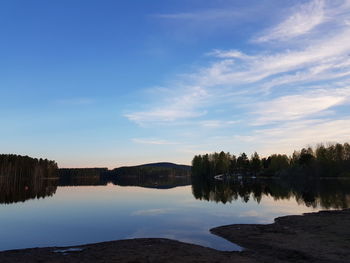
(144, 172)
(164, 165)
(154, 170)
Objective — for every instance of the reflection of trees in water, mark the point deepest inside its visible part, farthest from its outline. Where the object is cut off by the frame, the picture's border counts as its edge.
(325, 193)
(21, 184)
(19, 189)
(153, 177)
(161, 182)
(315, 193)
(83, 176)
(23, 179)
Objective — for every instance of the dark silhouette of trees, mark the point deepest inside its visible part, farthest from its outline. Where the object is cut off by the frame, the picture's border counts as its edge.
(242, 163)
(323, 161)
(209, 165)
(255, 163)
(82, 176)
(277, 163)
(16, 165)
(23, 178)
(155, 175)
(306, 157)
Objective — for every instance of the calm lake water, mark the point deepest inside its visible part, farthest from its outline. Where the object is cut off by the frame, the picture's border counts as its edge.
(83, 213)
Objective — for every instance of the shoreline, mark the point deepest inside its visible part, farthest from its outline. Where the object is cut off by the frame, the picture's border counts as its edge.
(312, 237)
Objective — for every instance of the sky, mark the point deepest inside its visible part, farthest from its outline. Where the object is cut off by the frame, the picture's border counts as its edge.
(110, 83)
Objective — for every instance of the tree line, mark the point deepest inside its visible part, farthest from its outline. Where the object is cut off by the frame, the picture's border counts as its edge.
(23, 178)
(332, 160)
(17, 165)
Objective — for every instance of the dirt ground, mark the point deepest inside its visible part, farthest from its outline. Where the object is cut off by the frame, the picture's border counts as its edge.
(131, 250)
(313, 237)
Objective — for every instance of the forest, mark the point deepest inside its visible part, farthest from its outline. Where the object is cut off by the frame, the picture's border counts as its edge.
(332, 160)
(23, 178)
(17, 165)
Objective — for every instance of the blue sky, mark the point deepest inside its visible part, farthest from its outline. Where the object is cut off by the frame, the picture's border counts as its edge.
(111, 83)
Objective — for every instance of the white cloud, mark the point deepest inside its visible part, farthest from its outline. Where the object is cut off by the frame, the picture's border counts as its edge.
(303, 20)
(161, 115)
(204, 15)
(153, 141)
(320, 52)
(177, 105)
(207, 21)
(237, 75)
(216, 123)
(228, 54)
(296, 89)
(294, 107)
(295, 135)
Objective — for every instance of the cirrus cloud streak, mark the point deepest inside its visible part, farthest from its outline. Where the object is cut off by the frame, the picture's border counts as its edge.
(274, 88)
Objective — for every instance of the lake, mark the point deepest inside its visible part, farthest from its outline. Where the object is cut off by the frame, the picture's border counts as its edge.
(89, 210)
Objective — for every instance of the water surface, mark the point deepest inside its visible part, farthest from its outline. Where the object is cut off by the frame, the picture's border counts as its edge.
(83, 213)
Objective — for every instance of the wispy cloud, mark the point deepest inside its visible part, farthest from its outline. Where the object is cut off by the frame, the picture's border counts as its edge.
(203, 15)
(291, 87)
(295, 107)
(217, 123)
(302, 20)
(153, 141)
(179, 104)
(76, 101)
(318, 57)
(207, 21)
(301, 133)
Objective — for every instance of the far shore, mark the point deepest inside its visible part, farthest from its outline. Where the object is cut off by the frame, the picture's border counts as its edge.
(313, 237)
